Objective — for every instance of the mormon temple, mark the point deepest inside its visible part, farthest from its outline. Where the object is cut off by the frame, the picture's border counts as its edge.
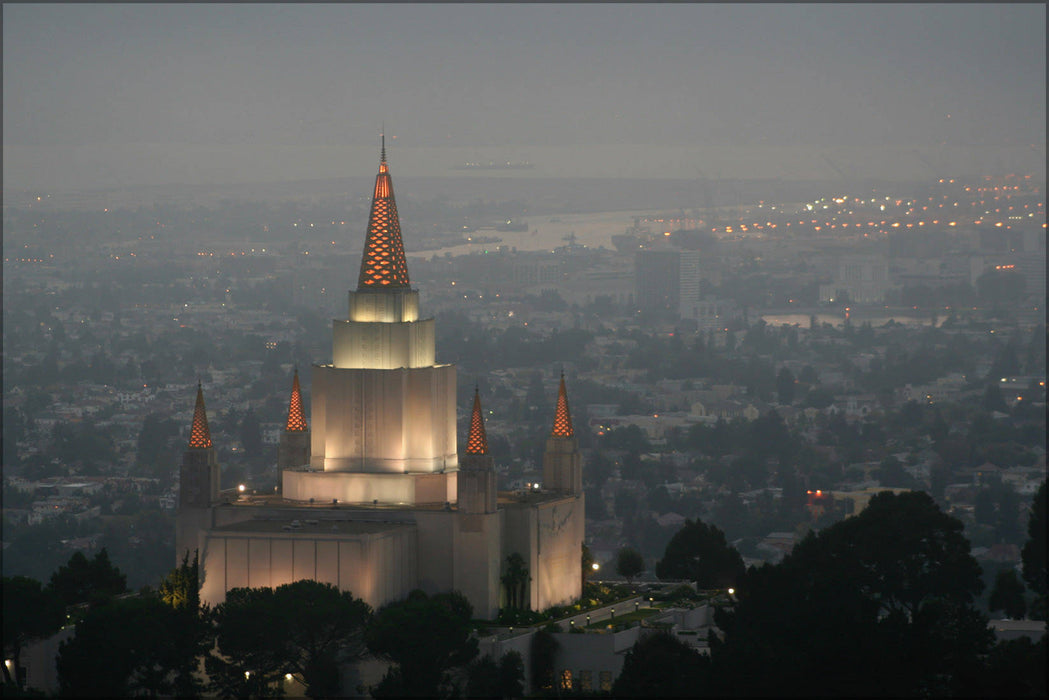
(376, 499)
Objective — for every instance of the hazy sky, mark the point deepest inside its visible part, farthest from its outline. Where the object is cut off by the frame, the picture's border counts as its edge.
(117, 95)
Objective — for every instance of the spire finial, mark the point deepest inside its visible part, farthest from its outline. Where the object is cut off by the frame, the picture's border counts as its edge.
(296, 415)
(382, 136)
(199, 434)
(562, 417)
(477, 440)
(383, 264)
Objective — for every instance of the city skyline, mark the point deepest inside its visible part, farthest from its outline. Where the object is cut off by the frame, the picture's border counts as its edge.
(122, 95)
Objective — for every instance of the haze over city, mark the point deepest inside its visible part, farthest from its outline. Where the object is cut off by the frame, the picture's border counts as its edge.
(701, 352)
(102, 95)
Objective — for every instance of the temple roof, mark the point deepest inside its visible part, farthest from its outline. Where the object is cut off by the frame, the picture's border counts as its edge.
(477, 441)
(562, 417)
(383, 265)
(296, 416)
(200, 435)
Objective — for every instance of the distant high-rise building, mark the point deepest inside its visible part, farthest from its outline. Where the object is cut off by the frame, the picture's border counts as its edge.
(667, 280)
(375, 499)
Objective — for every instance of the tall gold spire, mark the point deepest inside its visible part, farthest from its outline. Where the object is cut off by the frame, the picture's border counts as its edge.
(296, 416)
(562, 418)
(200, 435)
(477, 441)
(383, 265)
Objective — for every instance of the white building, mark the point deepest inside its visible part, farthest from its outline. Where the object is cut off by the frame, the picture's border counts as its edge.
(376, 499)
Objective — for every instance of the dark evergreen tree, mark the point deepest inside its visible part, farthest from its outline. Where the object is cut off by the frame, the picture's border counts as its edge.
(1008, 594)
(886, 602)
(700, 553)
(31, 612)
(661, 666)
(82, 580)
(306, 628)
(629, 563)
(425, 637)
(1034, 554)
(133, 646)
(543, 650)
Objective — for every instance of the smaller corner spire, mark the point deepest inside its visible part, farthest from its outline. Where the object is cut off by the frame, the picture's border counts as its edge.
(296, 415)
(200, 434)
(477, 440)
(562, 416)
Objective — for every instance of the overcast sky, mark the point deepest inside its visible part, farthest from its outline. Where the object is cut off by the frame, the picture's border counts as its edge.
(115, 95)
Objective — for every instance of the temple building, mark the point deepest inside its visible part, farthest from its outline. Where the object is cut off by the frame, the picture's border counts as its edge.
(376, 498)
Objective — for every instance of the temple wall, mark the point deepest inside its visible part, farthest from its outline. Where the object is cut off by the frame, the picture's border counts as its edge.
(549, 535)
(358, 345)
(378, 567)
(384, 421)
(348, 487)
(384, 305)
(476, 563)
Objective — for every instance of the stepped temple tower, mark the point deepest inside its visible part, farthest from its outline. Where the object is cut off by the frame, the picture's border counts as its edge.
(375, 497)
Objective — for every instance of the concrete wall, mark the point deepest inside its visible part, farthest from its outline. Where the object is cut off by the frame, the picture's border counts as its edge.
(383, 345)
(378, 567)
(348, 487)
(549, 535)
(384, 421)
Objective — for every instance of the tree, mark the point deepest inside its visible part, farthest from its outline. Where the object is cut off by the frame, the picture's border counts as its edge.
(305, 627)
(661, 666)
(425, 637)
(1008, 594)
(587, 562)
(251, 435)
(30, 612)
(629, 563)
(892, 474)
(486, 678)
(1015, 668)
(886, 601)
(700, 553)
(133, 646)
(1034, 555)
(515, 579)
(543, 648)
(82, 580)
(156, 451)
(181, 588)
(785, 386)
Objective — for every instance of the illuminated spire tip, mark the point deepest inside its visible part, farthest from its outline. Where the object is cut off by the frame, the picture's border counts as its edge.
(562, 417)
(477, 441)
(200, 435)
(296, 416)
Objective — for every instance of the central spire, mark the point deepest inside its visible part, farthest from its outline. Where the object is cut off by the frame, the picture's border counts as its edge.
(383, 265)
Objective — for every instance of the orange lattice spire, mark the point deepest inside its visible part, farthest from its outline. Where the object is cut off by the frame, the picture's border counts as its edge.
(562, 418)
(200, 436)
(383, 265)
(296, 416)
(477, 441)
